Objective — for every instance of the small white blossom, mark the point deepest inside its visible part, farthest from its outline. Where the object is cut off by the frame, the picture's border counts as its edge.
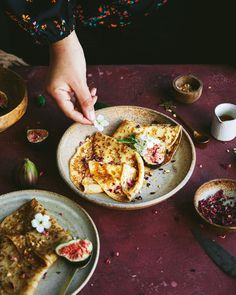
(41, 222)
(100, 123)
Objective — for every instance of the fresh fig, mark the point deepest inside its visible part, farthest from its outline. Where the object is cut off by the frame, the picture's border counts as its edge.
(26, 174)
(154, 156)
(3, 100)
(75, 250)
(37, 135)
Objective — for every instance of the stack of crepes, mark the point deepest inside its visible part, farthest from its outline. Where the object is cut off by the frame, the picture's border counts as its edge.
(104, 164)
(26, 254)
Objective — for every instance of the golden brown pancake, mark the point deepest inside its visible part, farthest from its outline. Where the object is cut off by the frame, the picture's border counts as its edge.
(169, 135)
(34, 251)
(97, 166)
(108, 151)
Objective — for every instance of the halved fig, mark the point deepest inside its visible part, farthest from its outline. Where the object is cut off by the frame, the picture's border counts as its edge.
(75, 250)
(37, 135)
(3, 100)
(154, 156)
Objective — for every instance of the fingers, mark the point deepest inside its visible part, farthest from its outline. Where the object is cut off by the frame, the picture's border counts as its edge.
(87, 100)
(63, 100)
(93, 91)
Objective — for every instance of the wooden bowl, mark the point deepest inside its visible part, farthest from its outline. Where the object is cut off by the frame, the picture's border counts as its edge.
(210, 188)
(187, 88)
(13, 86)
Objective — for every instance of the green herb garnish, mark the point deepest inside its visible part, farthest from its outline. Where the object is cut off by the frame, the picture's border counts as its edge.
(131, 139)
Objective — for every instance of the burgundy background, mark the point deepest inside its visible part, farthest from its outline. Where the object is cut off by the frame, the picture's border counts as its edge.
(157, 252)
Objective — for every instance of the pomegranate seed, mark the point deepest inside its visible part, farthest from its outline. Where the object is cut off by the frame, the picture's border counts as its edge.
(216, 210)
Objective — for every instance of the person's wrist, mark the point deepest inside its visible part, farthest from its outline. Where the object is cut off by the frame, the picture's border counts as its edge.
(68, 43)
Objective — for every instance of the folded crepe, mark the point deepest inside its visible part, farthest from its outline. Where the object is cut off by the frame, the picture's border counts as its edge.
(27, 254)
(101, 162)
(168, 137)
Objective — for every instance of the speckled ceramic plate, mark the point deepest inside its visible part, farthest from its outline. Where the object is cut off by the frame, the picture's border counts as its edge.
(162, 185)
(72, 217)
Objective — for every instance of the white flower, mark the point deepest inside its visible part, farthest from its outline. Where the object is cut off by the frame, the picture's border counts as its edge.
(41, 222)
(100, 123)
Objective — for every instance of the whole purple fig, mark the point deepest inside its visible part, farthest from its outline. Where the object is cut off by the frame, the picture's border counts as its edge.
(26, 174)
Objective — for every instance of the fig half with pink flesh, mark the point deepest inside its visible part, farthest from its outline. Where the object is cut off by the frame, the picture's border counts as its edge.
(37, 135)
(75, 250)
(154, 156)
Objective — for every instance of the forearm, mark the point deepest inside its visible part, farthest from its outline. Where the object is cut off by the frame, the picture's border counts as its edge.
(48, 22)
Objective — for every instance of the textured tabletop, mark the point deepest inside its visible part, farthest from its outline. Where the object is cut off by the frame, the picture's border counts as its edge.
(149, 251)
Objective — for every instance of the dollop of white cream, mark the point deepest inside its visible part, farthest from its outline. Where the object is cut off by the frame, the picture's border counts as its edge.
(144, 142)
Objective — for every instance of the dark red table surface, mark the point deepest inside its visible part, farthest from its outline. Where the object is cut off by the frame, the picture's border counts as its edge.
(157, 252)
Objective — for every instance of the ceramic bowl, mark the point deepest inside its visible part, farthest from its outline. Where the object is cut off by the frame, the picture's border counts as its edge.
(209, 189)
(187, 88)
(162, 185)
(13, 86)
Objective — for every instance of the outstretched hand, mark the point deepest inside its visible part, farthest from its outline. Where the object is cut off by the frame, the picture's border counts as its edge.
(67, 83)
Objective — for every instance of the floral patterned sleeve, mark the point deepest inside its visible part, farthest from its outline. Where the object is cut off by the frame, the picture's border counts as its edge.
(46, 20)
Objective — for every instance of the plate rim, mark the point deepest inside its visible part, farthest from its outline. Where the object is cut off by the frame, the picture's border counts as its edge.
(59, 196)
(137, 206)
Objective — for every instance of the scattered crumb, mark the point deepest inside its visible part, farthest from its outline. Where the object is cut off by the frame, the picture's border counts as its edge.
(117, 254)
(44, 276)
(121, 77)
(226, 166)
(200, 166)
(90, 75)
(108, 261)
(173, 284)
(222, 236)
(166, 171)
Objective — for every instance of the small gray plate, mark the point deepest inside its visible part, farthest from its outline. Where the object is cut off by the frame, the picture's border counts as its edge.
(162, 185)
(72, 217)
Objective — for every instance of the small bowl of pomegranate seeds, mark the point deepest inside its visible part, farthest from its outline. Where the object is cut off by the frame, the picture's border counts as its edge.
(215, 202)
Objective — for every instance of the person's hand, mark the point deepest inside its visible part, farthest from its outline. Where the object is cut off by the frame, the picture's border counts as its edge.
(67, 83)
